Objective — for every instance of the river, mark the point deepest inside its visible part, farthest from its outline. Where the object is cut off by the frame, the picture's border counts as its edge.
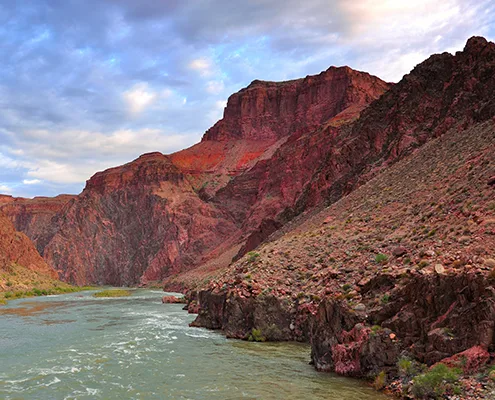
(76, 346)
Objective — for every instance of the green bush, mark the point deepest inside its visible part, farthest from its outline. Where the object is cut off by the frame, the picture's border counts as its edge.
(435, 383)
(385, 298)
(252, 256)
(409, 368)
(256, 336)
(346, 287)
(381, 258)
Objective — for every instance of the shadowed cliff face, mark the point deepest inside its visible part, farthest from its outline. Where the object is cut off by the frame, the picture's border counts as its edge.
(141, 221)
(37, 218)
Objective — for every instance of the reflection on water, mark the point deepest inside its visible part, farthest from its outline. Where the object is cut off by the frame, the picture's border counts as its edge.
(77, 347)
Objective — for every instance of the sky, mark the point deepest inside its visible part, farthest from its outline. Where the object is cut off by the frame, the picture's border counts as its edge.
(90, 84)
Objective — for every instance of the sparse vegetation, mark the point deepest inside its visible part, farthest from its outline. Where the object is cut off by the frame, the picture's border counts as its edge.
(256, 336)
(437, 382)
(113, 293)
(408, 368)
(23, 282)
(252, 256)
(381, 258)
(380, 381)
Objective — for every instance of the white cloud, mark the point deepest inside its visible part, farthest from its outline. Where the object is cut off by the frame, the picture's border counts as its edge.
(139, 97)
(202, 65)
(31, 181)
(4, 189)
(392, 36)
(74, 156)
(217, 111)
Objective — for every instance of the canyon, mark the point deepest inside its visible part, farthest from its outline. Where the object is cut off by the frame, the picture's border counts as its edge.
(337, 209)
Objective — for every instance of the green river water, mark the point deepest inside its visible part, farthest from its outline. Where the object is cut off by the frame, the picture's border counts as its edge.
(76, 346)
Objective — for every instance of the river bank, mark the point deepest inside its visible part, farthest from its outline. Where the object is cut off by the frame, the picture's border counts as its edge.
(427, 320)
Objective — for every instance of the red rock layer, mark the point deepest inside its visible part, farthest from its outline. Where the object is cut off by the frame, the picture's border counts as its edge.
(281, 149)
(154, 217)
(260, 118)
(272, 110)
(37, 217)
(15, 247)
(141, 221)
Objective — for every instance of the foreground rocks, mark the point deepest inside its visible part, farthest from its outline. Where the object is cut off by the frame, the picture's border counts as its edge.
(432, 319)
(173, 300)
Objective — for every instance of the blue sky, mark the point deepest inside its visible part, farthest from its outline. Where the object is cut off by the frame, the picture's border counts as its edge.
(90, 84)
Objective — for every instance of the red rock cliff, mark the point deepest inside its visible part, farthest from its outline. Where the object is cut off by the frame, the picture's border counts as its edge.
(321, 166)
(140, 221)
(154, 216)
(37, 218)
(272, 110)
(16, 248)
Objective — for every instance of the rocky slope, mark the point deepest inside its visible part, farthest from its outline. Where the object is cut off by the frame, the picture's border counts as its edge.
(16, 248)
(402, 265)
(322, 166)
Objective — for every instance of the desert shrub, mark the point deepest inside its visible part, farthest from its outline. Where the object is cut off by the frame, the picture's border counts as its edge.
(381, 258)
(409, 368)
(435, 383)
(386, 298)
(252, 256)
(256, 336)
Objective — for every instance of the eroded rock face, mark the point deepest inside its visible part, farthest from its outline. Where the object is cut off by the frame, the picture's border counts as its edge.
(135, 223)
(272, 110)
(434, 318)
(438, 316)
(321, 165)
(158, 215)
(275, 319)
(37, 218)
(15, 247)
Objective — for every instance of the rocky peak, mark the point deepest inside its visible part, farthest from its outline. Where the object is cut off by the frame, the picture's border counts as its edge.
(272, 110)
(476, 45)
(147, 169)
